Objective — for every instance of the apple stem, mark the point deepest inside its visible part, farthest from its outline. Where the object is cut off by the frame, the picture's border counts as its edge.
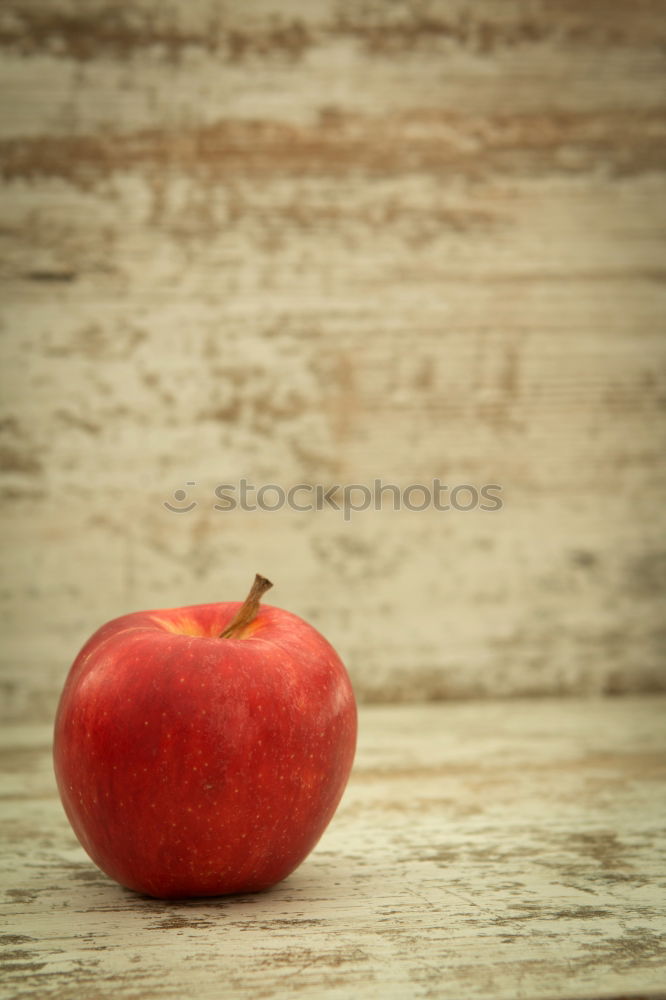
(248, 611)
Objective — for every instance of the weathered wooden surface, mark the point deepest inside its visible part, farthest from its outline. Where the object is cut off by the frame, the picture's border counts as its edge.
(325, 242)
(506, 850)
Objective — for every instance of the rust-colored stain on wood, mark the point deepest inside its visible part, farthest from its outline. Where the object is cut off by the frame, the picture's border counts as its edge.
(529, 144)
(113, 29)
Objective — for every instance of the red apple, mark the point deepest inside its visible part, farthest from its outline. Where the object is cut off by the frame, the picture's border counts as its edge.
(203, 750)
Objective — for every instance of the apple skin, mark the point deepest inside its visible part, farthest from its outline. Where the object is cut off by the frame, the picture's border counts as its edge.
(192, 765)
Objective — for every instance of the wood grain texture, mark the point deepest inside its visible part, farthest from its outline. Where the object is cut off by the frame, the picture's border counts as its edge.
(492, 849)
(326, 243)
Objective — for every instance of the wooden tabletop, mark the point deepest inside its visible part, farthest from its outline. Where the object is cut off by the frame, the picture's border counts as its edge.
(506, 849)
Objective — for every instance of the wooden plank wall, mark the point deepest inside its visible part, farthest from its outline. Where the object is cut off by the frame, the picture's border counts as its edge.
(328, 243)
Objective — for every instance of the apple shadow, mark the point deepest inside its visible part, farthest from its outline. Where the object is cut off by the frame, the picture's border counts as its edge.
(325, 876)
